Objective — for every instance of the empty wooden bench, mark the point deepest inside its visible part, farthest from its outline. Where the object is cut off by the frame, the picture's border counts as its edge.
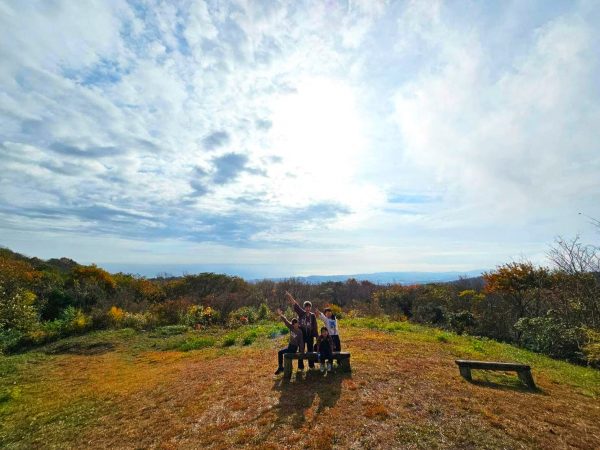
(342, 358)
(523, 370)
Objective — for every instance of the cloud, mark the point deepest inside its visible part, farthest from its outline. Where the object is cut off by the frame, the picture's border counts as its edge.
(342, 125)
(506, 139)
(215, 140)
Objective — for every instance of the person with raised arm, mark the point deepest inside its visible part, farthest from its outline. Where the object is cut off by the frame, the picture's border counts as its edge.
(331, 323)
(308, 325)
(296, 342)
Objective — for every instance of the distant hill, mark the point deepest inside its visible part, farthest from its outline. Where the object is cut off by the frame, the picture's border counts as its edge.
(391, 277)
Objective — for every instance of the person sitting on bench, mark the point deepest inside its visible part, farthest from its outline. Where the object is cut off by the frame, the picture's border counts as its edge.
(296, 341)
(324, 347)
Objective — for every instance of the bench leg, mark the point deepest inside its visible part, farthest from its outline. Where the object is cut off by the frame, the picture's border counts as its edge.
(526, 378)
(344, 365)
(465, 372)
(287, 368)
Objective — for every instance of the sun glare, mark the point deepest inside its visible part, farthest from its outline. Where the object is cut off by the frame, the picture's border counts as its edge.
(317, 131)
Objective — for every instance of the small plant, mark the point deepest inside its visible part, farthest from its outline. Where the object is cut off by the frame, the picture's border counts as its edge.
(196, 343)
(116, 314)
(263, 312)
(249, 338)
(443, 337)
(244, 315)
(229, 340)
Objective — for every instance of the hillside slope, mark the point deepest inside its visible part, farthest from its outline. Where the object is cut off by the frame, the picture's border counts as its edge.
(122, 389)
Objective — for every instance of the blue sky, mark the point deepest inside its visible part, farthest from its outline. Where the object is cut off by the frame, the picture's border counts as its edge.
(294, 138)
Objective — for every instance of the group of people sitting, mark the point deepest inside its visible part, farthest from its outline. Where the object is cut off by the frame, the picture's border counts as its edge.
(304, 331)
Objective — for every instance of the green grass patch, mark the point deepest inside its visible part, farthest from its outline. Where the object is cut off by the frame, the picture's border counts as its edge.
(229, 340)
(196, 343)
(170, 330)
(249, 337)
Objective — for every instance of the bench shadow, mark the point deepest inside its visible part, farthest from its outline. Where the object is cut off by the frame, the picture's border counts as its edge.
(299, 394)
(508, 385)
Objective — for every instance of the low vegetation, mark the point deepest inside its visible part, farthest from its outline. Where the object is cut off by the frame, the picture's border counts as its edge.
(551, 311)
(178, 387)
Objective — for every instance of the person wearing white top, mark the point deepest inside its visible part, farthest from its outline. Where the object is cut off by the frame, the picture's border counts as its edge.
(331, 324)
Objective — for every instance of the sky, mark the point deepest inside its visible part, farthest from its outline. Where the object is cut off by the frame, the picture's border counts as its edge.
(270, 138)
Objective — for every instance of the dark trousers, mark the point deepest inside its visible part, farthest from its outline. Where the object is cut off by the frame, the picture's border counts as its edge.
(324, 354)
(337, 345)
(290, 349)
(308, 343)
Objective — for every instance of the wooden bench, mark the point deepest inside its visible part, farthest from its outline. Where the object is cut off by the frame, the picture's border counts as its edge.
(523, 370)
(342, 358)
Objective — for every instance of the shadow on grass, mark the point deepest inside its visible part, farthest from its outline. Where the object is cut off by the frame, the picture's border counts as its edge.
(304, 391)
(506, 383)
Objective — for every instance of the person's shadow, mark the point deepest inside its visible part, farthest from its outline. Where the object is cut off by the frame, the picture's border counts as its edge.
(298, 395)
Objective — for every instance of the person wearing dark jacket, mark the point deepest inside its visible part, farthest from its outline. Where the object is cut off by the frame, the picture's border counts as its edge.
(308, 325)
(296, 342)
(324, 347)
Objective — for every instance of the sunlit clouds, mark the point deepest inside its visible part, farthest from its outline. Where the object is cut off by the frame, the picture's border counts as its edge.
(309, 137)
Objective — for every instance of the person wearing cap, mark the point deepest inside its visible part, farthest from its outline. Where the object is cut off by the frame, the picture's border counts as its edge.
(308, 325)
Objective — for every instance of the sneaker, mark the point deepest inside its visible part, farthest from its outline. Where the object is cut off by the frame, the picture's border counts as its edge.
(322, 367)
(329, 367)
(279, 370)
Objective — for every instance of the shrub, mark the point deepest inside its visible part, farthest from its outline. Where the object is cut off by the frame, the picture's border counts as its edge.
(263, 312)
(10, 340)
(17, 311)
(429, 313)
(591, 348)
(71, 321)
(199, 315)
(196, 343)
(243, 315)
(249, 338)
(115, 316)
(461, 322)
(551, 336)
(229, 340)
(137, 321)
(171, 312)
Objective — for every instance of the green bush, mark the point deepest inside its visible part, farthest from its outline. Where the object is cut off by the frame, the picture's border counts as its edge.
(551, 336)
(171, 312)
(462, 322)
(243, 316)
(196, 343)
(429, 313)
(17, 311)
(249, 338)
(10, 340)
(263, 312)
(199, 315)
(229, 340)
(591, 348)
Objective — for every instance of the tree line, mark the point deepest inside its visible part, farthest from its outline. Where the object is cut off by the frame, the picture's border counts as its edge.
(553, 310)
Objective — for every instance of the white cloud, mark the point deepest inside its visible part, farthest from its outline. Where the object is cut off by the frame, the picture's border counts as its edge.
(508, 142)
(121, 119)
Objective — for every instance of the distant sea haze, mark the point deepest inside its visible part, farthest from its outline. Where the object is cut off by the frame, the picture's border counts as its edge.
(273, 272)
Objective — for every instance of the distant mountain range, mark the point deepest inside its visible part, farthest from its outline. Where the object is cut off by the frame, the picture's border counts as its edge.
(391, 277)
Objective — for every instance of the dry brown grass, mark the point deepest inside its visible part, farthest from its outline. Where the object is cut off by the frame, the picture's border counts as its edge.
(402, 393)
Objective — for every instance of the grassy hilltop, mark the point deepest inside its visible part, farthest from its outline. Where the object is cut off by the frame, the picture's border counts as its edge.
(176, 388)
